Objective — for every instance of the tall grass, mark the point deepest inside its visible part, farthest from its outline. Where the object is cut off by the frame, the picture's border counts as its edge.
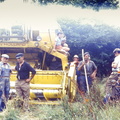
(94, 109)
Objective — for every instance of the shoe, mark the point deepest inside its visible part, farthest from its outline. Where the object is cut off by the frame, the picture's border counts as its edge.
(27, 110)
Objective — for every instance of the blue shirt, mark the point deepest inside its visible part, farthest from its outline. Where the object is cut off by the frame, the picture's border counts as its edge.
(4, 69)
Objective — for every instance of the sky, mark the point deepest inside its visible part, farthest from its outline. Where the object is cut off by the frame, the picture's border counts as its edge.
(14, 12)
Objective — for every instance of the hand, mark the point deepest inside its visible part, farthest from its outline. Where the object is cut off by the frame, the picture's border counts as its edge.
(28, 80)
(83, 63)
(54, 50)
(74, 62)
(93, 76)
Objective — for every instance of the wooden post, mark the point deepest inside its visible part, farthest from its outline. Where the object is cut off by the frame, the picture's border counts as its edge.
(85, 72)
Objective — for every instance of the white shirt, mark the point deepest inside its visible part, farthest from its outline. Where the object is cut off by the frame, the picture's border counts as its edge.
(117, 62)
(58, 41)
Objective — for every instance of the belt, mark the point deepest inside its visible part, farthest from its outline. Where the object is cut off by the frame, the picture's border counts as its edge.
(84, 75)
(4, 76)
(113, 73)
(21, 79)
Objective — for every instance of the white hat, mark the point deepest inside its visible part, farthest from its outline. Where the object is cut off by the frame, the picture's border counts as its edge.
(116, 50)
(76, 56)
(5, 56)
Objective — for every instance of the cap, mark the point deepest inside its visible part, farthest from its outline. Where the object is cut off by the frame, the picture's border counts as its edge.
(116, 50)
(59, 33)
(86, 53)
(5, 56)
(63, 39)
(19, 55)
(75, 56)
(65, 45)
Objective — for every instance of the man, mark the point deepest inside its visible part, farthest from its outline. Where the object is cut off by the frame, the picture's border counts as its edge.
(64, 44)
(58, 44)
(76, 60)
(4, 80)
(114, 75)
(91, 70)
(23, 79)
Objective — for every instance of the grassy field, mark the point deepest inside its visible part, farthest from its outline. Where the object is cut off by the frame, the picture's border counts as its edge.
(94, 109)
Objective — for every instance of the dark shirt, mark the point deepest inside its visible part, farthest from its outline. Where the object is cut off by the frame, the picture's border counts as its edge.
(90, 68)
(23, 72)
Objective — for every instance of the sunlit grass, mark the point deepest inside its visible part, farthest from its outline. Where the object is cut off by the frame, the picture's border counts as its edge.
(94, 109)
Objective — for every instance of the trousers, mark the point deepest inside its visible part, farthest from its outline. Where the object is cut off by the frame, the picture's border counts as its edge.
(82, 83)
(108, 88)
(4, 92)
(23, 92)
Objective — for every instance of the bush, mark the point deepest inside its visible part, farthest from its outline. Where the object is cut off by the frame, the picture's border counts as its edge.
(99, 40)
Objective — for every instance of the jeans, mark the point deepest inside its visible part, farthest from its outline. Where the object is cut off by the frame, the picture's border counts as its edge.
(4, 86)
(4, 91)
(82, 83)
(2, 103)
(78, 75)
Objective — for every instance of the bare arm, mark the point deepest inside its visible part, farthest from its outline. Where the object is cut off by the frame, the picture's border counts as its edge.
(32, 70)
(93, 75)
(80, 66)
(114, 65)
(29, 79)
(13, 69)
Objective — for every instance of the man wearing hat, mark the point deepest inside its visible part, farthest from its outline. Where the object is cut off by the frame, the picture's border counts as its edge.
(91, 70)
(4, 80)
(76, 62)
(114, 75)
(23, 79)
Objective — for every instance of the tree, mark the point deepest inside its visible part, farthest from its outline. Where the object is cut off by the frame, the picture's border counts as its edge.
(95, 4)
(98, 40)
(2, 0)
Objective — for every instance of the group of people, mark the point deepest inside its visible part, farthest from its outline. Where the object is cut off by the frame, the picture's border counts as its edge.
(22, 83)
(91, 70)
(23, 76)
(114, 76)
(60, 44)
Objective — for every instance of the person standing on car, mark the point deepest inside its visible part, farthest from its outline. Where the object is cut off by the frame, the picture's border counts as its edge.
(114, 75)
(5, 71)
(23, 79)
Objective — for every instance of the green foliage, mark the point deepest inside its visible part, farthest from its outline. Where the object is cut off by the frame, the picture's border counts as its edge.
(99, 40)
(2, 0)
(94, 109)
(95, 4)
(11, 113)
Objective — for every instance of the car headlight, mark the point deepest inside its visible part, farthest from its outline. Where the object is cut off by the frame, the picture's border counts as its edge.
(39, 38)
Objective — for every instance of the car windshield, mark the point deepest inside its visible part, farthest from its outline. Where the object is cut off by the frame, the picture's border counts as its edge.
(12, 33)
